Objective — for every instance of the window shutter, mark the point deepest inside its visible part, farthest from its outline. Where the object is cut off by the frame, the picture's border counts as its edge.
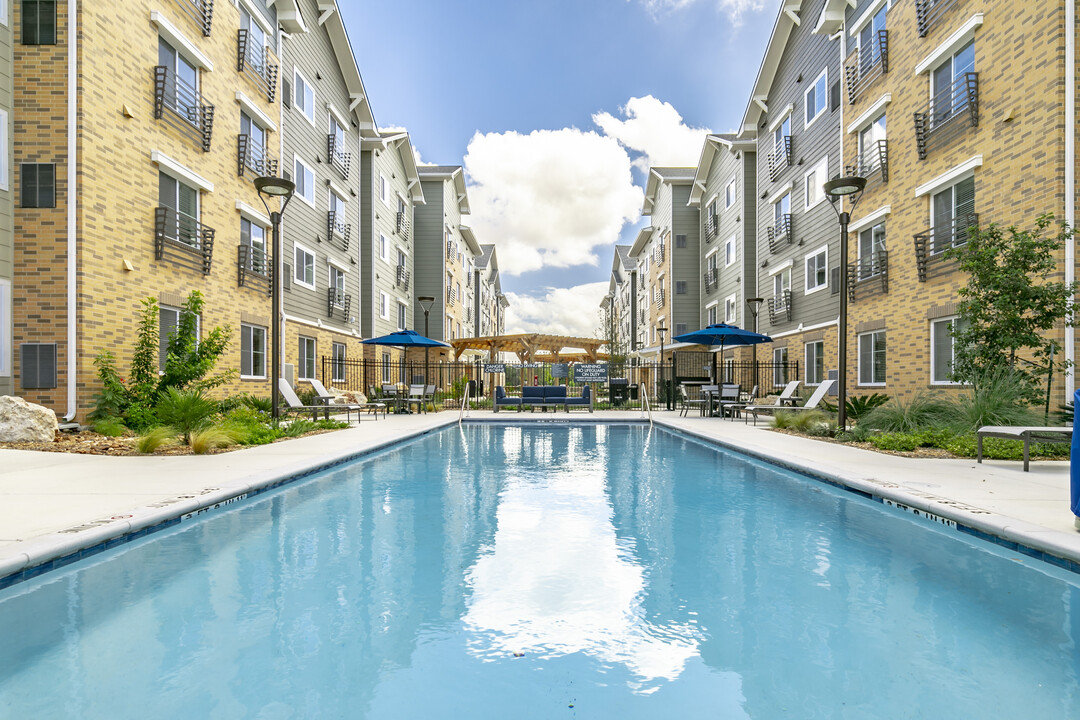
(680, 241)
(286, 92)
(28, 181)
(37, 365)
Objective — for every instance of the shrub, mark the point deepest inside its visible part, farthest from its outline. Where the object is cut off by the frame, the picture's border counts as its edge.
(858, 405)
(189, 358)
(186, 410)
(111, 400)
(110, 426)
(896, 441)
(296, 428)
(152, 440)
(997, 397)
(208, 438)
(262, 404)
(896, 415)
(857, 433)
(140, 416)
(807, 422)
(1000, 449)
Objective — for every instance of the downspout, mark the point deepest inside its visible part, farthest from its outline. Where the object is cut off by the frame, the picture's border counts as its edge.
(72, 205)
(1070, 179)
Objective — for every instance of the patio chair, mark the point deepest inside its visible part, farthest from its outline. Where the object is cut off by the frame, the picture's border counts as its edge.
(728, 395)
(688, 402)
(326, 397)
(416, 397)
(294, 404)
(782, 401)
(810, 404)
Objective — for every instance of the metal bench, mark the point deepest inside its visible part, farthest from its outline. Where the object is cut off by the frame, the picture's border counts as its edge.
(1027, 434)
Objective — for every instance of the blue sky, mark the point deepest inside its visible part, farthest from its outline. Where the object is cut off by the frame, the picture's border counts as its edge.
(556, 107)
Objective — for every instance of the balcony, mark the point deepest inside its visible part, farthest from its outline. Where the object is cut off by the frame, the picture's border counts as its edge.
(658, 254)
(338, 157)
(449, 249)
(780, 157)
(334, 226)
(451, 296)
(402, 278)
(949, 113)
(872, 164)
(928, 12)
(862, 274)
(253, 268)
(201, 12)
(337, 299)
(183, 240)
(931, 244)
(780, 307)
(866, 65)
(712, 228)
(712, 280)
(253, 60)
(780, 233)
(252, 157)
(659, 296)
(187, 109)
(402, 228)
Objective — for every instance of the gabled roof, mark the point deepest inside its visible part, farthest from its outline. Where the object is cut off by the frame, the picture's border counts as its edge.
(622, 254)
(712, 147)
(786, 20)
(470, 240)
(642, 239)
(330, 18)
(447, 172)
(660, 175)
(400, 140)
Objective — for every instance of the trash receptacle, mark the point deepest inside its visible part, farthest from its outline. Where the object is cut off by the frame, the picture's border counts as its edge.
(472, 389)
(634, 391)
(618, 391)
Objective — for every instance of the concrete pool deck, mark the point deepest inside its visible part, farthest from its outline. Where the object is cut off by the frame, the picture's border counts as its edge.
(52, 505)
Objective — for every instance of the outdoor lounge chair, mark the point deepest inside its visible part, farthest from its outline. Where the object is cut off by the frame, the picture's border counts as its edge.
(372, 408)
(1027, 434)
(781, 402)
(810, 404)
(294, 404)
(504, 400)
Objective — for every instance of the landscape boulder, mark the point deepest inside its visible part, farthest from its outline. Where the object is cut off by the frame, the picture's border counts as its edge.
(21, 421)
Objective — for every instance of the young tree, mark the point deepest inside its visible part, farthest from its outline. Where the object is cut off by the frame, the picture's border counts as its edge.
(609, 333)
(1010, 303)
(189, 359)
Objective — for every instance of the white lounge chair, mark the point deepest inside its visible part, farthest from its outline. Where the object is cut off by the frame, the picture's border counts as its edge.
(294, 404)
(784, 400)
(811, 403)
(1027, 434)
(372, 408)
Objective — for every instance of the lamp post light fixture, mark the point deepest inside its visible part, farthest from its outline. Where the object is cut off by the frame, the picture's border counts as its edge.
(661, 331)
(851, 186)
(426, 301)
(754, 305)
(275, 187)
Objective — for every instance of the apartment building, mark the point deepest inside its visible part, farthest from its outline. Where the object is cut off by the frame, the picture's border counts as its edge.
(325, 112)
(489, 302)
(618, 308)
(795, 115)
(134, 181)
(7, 238)
(389, 190)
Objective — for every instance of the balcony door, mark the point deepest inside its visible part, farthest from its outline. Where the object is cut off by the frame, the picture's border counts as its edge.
(182, 223)
(182, 83)
(948, 90)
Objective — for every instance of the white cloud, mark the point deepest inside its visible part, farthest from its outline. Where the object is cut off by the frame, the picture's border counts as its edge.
(734, 9)
(561, 311)
(655, 130)
(549, 198)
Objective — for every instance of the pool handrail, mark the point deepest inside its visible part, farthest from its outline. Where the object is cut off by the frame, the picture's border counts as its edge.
(464, 403)
(645, 406)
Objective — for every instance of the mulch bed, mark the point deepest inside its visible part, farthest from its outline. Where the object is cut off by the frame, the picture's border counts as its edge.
(923, 452)
(90, 443)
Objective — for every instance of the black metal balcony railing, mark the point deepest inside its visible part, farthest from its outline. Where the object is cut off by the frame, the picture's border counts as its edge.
(659, 296)
(950, 111)
(928, 12)
(712, 228)
(337, 299)
(187, 108)
(252, 156)
(402, 228)
(866, 65)
(253, 268)
(449, 249)
(451, 296)
(780, 157)
(338, 157)
(869, 268)
(872, 164)
(930, 244)
(658, 254)
(780, 233)
(334, 225)
(780, 307)
(182, 239)
(253, 60)
(201, 11)
(402, 278)
(711, 277)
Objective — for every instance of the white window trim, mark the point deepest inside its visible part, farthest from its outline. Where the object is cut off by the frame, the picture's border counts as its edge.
(859, 357)
(247, 105)
(787, 264)
(824, 162)
(734, 300)
(342, 120)
(315, 352)
(734, 242)
(870, 115)
(315, 259)
(4, 13)
(712, 252)
(711, 200)
(784, 190)
(250, 213)
(824, 108)
(296, 71)
(257, 17)
(5, 151)
(384, 242)
(6, 335)
(298, 159)
(784, 115)
(266, 346)
(950, 177)
(735, 199)
(806, 273)
(389, 192)
(182, 45)
(714, 303)
(174, 169)
(806, 362)
(338, 264)
(866, 17)
(341, 192)
(951, 44)
(870, 220)
(952, 383)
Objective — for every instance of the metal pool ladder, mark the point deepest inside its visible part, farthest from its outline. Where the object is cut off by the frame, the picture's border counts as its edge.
(646, 407)
(464, 404)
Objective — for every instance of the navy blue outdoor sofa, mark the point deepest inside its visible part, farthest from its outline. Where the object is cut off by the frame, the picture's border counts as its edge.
(504, 400)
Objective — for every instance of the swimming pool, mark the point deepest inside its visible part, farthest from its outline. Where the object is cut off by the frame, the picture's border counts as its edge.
(546, 571)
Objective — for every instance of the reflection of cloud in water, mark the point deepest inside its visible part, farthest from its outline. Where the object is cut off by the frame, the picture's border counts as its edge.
(557, 582)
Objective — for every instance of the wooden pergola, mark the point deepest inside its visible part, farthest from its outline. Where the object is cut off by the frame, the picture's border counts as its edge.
(536, 347)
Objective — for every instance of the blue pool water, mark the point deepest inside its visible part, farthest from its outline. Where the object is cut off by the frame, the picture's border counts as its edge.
(546, 571)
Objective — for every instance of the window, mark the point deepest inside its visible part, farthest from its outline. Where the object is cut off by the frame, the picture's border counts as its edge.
(384, 189)
(872, 358)
(168, 322)
(304, 267)
(729, 251)
(384, 247)
(869, 47)
(680, 241)
(303, 96)
(680, 287)
(730, 310)
(4, 13)
(337, 282)
(780, 135)
(952, 209)
(871, 244)
(305, 181)
(729, 194)
(182, 220)
(252, 351)
(815, 362)
(255, 159)
(337, 362)
(255, 55)
(781, 209)
(680, 328)
(384, 306)
(817, 95)
(254, 236)
(386, 366)
(781, 284)
(817, 270)
(948, 89)
(780, 370)
(38, 185)
(943, 349)
(869, 154)
(815, 183)
(306, 358)
(39, 22)
(339, 136)
(5, 328)
(337, 206)
(712, 316)
(402, 316)
(181, 84)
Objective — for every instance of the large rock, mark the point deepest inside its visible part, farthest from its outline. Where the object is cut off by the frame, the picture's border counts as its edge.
(21, 421)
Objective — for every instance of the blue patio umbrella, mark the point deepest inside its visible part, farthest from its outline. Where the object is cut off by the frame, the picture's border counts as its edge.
(405, 338)
(723, 335)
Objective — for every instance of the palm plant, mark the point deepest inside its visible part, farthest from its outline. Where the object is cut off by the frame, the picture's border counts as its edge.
(185, 410)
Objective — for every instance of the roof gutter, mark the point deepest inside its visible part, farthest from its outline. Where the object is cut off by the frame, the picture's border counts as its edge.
(72, 206)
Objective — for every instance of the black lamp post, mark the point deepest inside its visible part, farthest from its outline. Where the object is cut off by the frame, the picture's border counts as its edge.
(836, 190)
(753, 305)
(426, 301)
(275, 187)
(661, 331)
